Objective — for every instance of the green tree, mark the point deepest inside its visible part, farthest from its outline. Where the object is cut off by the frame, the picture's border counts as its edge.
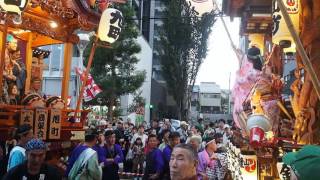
(114, 69)
(184, 46)
(138, 101)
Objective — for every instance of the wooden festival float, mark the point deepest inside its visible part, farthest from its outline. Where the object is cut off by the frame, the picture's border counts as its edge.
(27, 25)
(275, 114)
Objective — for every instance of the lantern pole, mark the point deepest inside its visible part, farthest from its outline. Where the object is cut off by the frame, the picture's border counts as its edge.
(86, 72)
(305, 59)
(215, 4)
(3, 52)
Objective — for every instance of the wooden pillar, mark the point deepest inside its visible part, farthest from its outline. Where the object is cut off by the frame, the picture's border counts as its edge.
(66, 70)
(28, 62)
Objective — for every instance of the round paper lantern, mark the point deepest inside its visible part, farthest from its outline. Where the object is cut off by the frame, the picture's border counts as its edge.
(201, 6)
(257, 125)
(14, 7)
(280, 32)
(110, 25)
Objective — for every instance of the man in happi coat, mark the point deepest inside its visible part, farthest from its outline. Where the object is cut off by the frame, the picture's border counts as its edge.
(110, 155)
(17, 155)
(83, 163)
(174, 139)
(154, 160)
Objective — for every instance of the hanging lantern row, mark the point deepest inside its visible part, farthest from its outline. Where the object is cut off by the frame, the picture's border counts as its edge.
(280, 32)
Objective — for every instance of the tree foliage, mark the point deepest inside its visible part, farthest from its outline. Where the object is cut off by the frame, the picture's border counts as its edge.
(114, 69)
(138, 101)
(184, 46)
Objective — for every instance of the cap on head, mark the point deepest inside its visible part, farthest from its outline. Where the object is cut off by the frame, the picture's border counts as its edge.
(305, 162)
(23, 129)
(35, 144)
(183, 123)
(226, 126)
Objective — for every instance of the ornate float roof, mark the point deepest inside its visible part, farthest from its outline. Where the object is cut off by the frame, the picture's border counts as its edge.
(66, 15)
(255, 14)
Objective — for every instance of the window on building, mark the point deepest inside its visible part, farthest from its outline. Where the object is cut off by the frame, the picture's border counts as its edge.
(55, 60)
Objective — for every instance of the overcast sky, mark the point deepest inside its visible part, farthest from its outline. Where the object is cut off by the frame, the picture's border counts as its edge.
(221, 60)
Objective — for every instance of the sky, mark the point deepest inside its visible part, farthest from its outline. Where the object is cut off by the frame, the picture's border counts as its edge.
(221, 59)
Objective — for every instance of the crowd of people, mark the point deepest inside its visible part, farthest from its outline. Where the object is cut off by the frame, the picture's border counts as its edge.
(160, 151)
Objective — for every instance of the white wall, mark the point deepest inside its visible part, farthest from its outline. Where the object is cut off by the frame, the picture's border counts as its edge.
(206, 100)
(207, 89)
(145, 63)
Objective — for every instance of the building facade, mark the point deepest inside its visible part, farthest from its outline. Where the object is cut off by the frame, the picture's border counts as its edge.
(149, 17)
(210, 102)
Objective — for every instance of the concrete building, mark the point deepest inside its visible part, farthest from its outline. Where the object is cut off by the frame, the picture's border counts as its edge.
(145, 57)
(53, 72)
(208, 101)
(210, 98)
(149, 15)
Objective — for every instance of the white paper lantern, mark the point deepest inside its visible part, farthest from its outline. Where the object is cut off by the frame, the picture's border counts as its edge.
(201, 6)
(280, 32)
(257, 125)
(14, 7)
(110, 25)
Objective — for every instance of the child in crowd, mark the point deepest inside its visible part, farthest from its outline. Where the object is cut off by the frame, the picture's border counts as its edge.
(138, 156)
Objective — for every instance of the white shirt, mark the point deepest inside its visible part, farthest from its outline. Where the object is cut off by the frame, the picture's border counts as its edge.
(142, 137)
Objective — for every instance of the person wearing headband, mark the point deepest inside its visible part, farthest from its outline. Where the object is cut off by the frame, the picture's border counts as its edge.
(35, 166)
(207, 158)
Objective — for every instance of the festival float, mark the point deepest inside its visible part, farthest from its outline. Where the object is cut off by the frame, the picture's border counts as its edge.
(270, 122)
(26, 25)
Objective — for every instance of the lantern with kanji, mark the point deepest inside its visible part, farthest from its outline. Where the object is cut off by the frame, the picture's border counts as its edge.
(280, 32)
(110, 25)
(201, 6)
(14, 7)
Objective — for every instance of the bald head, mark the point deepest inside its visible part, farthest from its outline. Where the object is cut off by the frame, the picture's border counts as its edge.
(183, 162)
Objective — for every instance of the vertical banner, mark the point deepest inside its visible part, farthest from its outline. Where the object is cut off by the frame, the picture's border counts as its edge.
(26, 117)
(249, 167)
(40, 126)
(55, 124)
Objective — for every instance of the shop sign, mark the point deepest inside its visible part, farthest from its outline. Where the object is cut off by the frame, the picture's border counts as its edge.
(40, 126)
(55, 124)
(26, 117)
